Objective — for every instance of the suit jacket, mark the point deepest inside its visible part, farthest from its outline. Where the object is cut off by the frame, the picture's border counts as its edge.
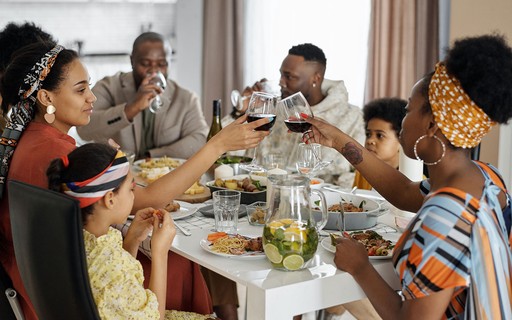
(180, 128)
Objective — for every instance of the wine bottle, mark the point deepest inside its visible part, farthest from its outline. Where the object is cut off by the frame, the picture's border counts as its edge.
(216, 125)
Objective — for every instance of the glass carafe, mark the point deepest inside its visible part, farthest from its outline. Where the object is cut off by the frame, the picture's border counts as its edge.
(290, 235)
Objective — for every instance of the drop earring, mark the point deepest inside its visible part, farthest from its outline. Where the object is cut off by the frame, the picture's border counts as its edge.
(49, 116)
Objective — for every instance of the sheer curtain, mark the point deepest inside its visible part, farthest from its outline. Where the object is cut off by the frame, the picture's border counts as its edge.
(339, 28)
(222, 56)
(403, 46)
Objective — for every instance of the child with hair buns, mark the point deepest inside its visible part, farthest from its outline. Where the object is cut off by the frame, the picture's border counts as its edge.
(99, 177)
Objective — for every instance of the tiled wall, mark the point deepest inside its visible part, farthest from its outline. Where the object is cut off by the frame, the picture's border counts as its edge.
(104, 27)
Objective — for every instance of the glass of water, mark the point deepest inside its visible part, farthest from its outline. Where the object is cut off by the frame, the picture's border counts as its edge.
(158, 78)
(226, 204)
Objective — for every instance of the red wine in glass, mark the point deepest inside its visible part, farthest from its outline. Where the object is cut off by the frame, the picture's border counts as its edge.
(297, 125)
(257, 116)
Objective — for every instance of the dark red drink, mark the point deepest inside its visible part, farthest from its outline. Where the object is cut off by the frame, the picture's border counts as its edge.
(297, 125)
(265, 127)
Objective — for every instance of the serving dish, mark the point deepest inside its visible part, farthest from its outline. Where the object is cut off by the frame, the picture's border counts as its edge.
(245, 197)
(157, 162)
(353, 220)
(257, 213)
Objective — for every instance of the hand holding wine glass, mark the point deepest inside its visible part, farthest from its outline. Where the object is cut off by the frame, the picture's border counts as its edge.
(295, 106)
(261, 105)
(158, 79)
(263, 85)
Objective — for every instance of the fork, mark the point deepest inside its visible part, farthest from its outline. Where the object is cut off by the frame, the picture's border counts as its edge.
(184, 230)
(341, 225)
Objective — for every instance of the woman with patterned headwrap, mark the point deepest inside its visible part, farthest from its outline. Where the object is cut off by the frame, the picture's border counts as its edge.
(454, 260)
(47, 89)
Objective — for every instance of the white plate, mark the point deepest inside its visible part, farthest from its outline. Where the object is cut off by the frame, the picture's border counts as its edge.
(205, 244)
(185, 210)
(326, 244)
(317, 185)
(136, 165)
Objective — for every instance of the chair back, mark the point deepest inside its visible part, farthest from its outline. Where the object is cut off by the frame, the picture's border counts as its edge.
(6, 311)
(49, 248)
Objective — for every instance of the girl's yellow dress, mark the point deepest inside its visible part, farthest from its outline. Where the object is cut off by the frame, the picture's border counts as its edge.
(117, 278)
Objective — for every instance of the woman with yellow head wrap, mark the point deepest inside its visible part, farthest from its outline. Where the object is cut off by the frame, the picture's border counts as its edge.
(454, 260)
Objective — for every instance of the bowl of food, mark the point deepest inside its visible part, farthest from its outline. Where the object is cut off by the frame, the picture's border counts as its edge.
(316, 183)
(234, 162)
(251, 190)
(360, 212)
(257, 212)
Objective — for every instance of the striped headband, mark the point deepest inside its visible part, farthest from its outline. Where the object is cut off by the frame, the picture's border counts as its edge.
(93, 189)
(23, 111)
(461, 121)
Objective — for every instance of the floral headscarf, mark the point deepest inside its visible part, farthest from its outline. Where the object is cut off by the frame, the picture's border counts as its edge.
(23, 111)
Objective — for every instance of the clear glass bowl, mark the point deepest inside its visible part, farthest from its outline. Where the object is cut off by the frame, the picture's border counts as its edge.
(256, 213)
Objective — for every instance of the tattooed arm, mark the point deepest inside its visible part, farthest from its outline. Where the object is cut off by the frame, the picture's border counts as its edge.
(389, 182)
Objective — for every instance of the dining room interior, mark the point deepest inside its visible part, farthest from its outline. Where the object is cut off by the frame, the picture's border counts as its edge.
(378, 48)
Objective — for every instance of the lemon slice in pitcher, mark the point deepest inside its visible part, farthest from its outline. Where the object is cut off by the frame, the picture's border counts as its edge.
(272, 253)
(293, 262)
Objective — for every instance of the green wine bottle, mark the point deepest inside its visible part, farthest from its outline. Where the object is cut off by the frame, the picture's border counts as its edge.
(216, 125)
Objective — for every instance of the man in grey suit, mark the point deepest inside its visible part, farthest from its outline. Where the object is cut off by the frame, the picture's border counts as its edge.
(122, 112)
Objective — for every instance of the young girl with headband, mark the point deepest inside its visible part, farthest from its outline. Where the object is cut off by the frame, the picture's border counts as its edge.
(47, 89)
(454, 260)
(99, 177)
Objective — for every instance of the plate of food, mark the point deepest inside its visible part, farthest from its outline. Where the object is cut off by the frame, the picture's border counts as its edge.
(178, 210)
(376, 246)
(233, 246)
(251, 189)
(157, 163)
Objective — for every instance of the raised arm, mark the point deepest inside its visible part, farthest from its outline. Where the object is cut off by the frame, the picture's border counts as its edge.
(236, 136)
(389, 182)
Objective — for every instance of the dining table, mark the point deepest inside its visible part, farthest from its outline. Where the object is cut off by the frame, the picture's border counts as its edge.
(275, 294)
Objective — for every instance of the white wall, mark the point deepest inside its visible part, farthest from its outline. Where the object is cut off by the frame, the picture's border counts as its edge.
(189, 45)
(475, 17)
(104, 27)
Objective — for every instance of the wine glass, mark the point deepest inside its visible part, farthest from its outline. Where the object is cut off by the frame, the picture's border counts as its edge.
(268, 86)
(306, 160)
(293, 107)
(261, 105)
(157, 78)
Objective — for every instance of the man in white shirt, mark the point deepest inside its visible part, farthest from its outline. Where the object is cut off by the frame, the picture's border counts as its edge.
(303, 70)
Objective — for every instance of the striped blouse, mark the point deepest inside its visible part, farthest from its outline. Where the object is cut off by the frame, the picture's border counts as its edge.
(457, 241)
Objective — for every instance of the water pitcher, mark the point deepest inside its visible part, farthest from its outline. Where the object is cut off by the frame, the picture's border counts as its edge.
(290, 235)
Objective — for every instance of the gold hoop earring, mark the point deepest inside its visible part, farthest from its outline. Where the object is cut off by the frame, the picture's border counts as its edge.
(429, 163)
(49, 116)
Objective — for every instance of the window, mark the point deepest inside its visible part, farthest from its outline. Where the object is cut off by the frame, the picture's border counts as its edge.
(339, 28)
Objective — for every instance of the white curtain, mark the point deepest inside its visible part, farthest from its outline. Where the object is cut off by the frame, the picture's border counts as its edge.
(339, 28)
